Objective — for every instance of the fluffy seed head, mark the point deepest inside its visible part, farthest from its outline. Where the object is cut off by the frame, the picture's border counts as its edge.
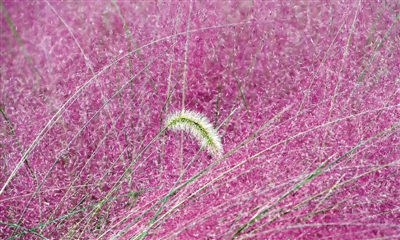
(199, 126)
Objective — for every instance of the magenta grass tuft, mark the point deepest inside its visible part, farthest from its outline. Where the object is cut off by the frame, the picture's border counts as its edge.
(305, 95)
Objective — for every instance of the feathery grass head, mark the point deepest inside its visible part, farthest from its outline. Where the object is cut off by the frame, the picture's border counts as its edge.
(199, 126)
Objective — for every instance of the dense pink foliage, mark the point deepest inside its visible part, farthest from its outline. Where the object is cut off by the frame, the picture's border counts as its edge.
(86, 86)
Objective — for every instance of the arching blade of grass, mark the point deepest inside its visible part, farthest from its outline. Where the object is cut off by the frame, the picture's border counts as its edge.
(17, 141)
(171, 192)
(326, 192)
(73, 139)
(371, 59)
(244, 142)
(319, 170)
(154, 218)
(74, 96)
(322, 168)
(58, 219)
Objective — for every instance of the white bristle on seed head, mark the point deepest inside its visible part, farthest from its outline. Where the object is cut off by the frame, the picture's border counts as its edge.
(199, 126)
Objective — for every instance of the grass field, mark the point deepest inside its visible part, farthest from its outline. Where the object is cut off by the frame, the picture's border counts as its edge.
(294, 130)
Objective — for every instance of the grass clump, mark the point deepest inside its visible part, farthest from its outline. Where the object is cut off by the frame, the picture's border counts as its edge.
(304, 93)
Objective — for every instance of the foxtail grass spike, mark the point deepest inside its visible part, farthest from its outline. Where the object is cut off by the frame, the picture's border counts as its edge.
(199, 126)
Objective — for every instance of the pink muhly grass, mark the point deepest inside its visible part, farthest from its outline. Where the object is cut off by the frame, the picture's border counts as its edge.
(305, 95)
